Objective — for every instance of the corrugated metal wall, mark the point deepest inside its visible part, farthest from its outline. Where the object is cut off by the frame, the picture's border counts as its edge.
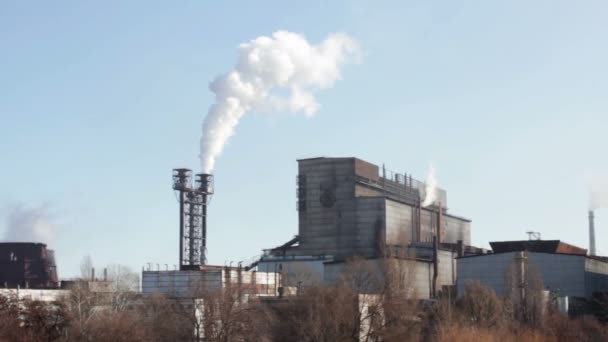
(562, 273)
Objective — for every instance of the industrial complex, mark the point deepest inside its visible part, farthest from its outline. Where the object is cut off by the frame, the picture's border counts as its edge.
(347, 209)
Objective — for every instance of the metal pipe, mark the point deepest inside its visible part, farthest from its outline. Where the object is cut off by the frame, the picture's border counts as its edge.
(591, 233)
(435, 266)
(204, 230)
(419, 220)
(440, 223)
(181, 227)
(192, 227)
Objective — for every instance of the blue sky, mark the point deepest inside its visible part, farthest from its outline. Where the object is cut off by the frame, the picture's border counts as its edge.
(100, 100)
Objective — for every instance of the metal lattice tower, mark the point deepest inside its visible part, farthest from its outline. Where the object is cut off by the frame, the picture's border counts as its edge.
(193, 201)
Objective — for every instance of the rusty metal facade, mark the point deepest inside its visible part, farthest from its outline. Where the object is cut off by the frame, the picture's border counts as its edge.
(27, 265)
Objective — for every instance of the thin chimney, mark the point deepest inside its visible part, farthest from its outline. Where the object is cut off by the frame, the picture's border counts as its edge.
(591, 233)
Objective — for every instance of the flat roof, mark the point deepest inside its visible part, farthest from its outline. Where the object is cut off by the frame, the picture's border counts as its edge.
(546, 246)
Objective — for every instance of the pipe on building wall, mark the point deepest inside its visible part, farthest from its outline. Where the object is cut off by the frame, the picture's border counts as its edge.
(419, 220)
(460, 248)
(435, 266)
(521, 257)
(440, 230)
(182, 198)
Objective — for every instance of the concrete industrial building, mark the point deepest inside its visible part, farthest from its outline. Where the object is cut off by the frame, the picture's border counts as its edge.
(348, 207)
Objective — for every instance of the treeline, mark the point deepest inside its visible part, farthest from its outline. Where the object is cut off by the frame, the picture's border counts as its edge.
(337, 313)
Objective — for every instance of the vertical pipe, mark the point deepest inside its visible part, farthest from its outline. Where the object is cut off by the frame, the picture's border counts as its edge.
(521, 263)
(181, 228)
(419, 220)
(439, 223)
(435, 266)
(204, 237)
(591, 233)
(191, 231)
(460, 248)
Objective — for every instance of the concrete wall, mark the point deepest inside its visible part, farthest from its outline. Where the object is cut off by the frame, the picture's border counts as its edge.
(190, 284)
(415, 275)
(44, 295)
(400, 223)
(562, 273)
(327, 222)
(596, 276)
(294, 271)
(402, 226)
(370, 225)
(334, 221)
(447, 269)
(457, 229)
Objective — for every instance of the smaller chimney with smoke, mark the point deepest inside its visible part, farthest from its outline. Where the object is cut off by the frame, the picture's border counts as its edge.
(591, 233)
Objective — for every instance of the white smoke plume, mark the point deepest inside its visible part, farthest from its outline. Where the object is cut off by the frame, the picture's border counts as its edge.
(431, 185)
(598, 194)
(285, 62)
(30, 224)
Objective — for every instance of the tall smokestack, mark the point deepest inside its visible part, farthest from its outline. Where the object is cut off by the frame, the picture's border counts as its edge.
(591, 233)
(205, 189)
(193, 201)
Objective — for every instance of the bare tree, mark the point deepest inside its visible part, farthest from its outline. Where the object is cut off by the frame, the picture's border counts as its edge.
(525, 295)
(86, 267)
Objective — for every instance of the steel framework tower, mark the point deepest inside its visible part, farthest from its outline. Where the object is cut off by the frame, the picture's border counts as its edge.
(193, 201)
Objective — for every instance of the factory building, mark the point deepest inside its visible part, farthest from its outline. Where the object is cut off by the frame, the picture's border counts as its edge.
(27, 265)
(565, 270)
(349, 208)
(28, 271)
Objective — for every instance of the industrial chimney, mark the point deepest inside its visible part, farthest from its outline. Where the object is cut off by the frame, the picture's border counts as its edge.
(204, 188)
(193, 202)
(591, 233)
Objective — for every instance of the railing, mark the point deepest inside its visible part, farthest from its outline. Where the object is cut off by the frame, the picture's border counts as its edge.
(399, 186)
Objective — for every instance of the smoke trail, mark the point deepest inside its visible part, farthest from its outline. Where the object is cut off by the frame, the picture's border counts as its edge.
(266, 66)
(30, 224)
(429, 191)
(598, 194)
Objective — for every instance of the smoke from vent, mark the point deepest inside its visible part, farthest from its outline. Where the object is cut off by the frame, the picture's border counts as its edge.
(284, 62)
(30, 224)
(429, 191)
(598, 195)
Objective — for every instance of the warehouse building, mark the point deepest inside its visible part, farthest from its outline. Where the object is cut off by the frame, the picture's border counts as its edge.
(565, 270)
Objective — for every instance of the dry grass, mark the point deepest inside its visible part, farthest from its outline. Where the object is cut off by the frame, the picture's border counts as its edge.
(458, 333)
